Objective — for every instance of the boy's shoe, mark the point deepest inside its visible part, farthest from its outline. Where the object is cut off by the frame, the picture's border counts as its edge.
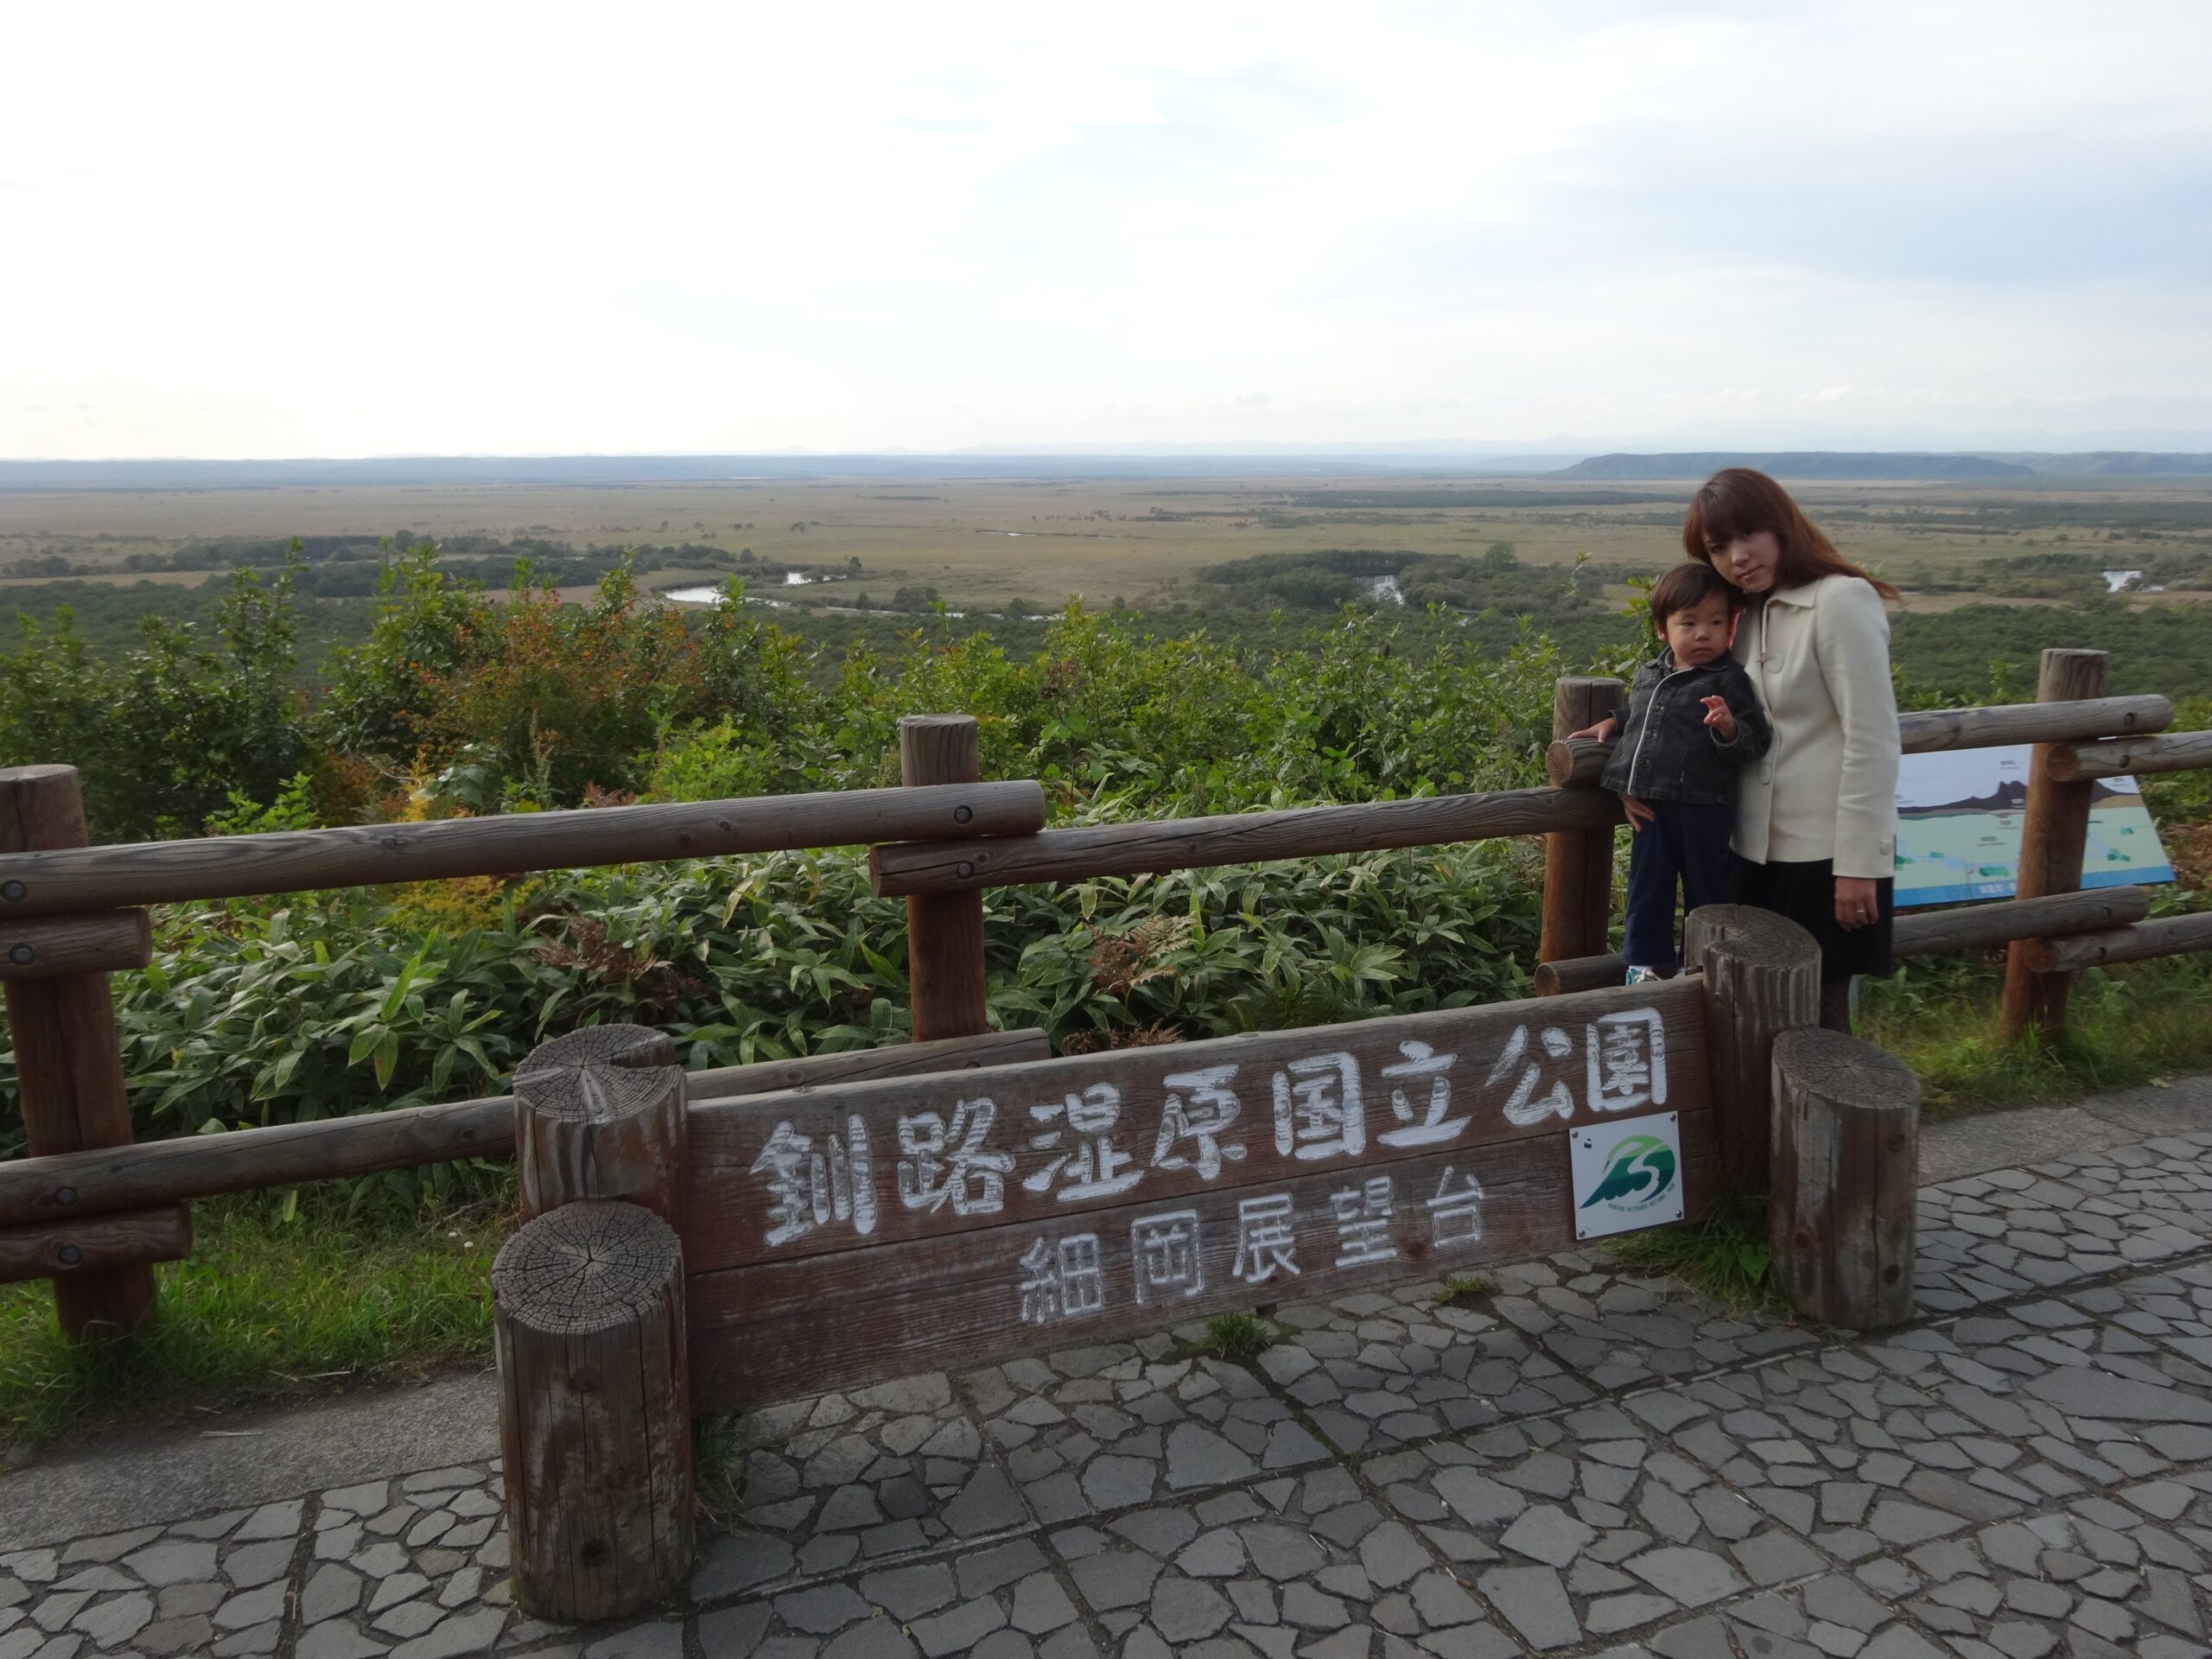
(1642, 975)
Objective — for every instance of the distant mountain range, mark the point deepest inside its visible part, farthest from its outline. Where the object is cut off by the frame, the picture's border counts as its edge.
(1894, 464)
(2011, 796)
(1257, 462)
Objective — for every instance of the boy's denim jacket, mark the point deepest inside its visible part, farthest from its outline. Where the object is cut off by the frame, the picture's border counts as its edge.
(1667, 751)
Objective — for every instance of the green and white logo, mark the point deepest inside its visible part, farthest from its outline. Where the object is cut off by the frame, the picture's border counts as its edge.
(1627, 1175)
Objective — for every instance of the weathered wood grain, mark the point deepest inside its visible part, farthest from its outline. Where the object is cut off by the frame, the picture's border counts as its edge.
(594, 1418)
(1581, 974)
(776, 1175)
(1972, 926)
(127, 1238)
(1235, 838)
(857, 1317)
(32, 1190)
(1580, 764)
(1760, 976)
(1578, 904)
(47, 883)
(1846, 1178)
(598, 1114)
(2169, 936)
(68, 1058)
(892, 1060)
(2054, 833)
(2132, 756)
(944, 930)
(1928, 933)
(105, 942)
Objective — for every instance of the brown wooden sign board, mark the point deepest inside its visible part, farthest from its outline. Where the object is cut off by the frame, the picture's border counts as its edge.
(842, 1235)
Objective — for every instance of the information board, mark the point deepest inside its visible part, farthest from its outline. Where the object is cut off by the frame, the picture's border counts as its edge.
(1959, 829)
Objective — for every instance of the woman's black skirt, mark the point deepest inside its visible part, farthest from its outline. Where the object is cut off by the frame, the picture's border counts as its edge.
(1805, 893)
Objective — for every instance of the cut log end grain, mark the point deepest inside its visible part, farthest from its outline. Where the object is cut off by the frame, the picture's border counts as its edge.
(586, 1267)
(596, 1072)
(1848, 1071)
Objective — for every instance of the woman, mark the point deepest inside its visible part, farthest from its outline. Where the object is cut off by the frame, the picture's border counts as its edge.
(1816, 822)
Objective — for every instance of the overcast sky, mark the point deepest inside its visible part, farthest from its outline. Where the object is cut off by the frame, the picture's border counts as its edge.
(338, 229)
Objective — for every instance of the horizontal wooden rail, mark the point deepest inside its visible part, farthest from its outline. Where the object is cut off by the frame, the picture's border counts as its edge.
(1929, 934)
(105, 942)
(2128, 756)
(229, 867)
(1235, 838)
(126, 1238)
(2169, 936)
(37, 1191)
(1578, 762)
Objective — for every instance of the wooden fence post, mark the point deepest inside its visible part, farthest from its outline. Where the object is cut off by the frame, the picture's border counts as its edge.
(1578, 863)
(1846, 1177)
(68, 1058)
(594, 1409)
(2054, 831)
(598, 1114)
(944, 930)
(588, 1311)
(1762, 978)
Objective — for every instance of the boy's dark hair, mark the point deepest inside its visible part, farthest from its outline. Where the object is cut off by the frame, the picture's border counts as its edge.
(1691, 582)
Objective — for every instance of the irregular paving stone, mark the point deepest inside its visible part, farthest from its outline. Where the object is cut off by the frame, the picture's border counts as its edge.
(1091, 1430)
(173, 1561)
(461, 1633)
(661, 1639)
(900, 1469)
(270, 1521)
(1605, 1505)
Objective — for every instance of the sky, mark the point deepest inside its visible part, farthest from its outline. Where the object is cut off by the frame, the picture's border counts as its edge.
(340, 230)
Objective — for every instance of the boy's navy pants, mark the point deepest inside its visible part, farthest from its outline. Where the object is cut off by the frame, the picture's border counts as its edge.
(1686, 845)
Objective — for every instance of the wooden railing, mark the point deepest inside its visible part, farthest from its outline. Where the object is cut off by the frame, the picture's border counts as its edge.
(92, 1211)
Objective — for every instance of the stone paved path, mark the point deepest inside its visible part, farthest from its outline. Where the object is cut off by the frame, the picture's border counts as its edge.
(1585, 1464)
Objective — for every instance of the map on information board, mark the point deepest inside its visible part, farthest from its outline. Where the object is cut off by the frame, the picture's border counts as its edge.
(1959, 829)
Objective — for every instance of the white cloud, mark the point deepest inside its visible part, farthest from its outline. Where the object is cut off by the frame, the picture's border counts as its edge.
(345, 230)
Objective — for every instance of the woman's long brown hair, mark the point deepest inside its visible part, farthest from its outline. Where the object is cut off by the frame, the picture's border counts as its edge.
(1738, 501)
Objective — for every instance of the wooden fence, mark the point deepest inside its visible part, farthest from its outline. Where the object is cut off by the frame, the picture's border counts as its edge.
(92, 1211)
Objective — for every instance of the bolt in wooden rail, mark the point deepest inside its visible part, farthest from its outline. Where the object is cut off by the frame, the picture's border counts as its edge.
(58, 882)
(2054, 833)
(944, 930)
(106, 942)
(2130, 756)
(1578, 863)
(68, 1058)
(2169, 936)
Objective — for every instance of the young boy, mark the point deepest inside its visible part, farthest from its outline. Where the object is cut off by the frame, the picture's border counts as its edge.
(1693, 719)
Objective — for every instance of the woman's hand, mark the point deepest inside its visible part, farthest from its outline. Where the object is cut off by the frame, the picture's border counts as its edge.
(1856, 904)
(1601, 733)
(1720, 717)
(1639, 812)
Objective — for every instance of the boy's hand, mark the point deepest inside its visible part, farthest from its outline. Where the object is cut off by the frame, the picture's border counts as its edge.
(1639, 812)
(1720, 717)
(1601, 733)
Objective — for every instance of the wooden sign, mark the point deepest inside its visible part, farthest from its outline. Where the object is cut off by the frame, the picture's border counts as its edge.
(844, 1234)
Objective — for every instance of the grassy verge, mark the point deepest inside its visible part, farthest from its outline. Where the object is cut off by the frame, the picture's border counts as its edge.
(2132, 1024)
(266, 1307)
(1723, 1254)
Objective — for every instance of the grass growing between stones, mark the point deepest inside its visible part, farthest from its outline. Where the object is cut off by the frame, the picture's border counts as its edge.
(1724, 1255)
(266, 1307)
(1472, 1290)
(1235, 1336)
(2128, 1025)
